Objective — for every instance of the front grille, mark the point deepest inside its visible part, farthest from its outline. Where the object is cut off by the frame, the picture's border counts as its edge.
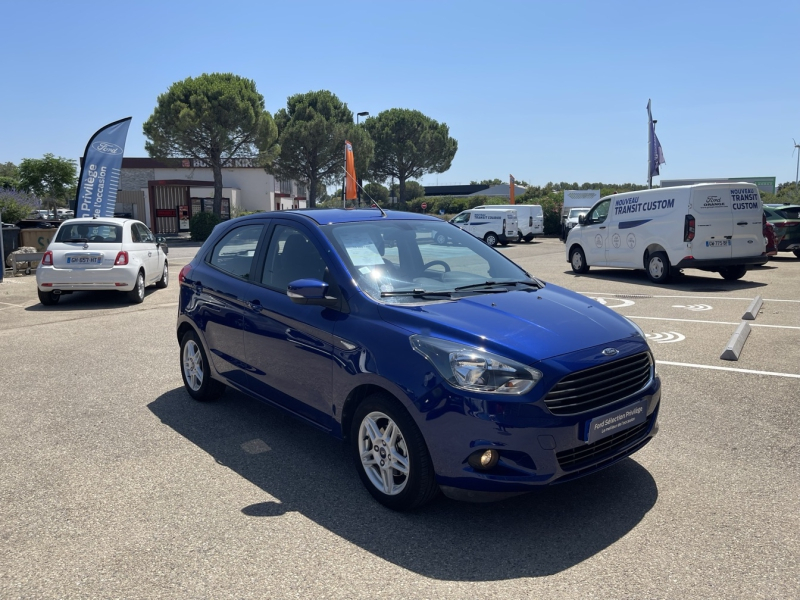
(598, 386)
(601, 450)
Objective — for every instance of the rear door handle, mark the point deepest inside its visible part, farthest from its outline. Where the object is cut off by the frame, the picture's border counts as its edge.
(254, 305)
(742, 223)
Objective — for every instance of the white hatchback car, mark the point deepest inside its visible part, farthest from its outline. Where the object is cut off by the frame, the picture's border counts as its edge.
(92, 253)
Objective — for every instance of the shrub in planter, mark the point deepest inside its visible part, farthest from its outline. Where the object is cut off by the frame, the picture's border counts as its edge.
(202, 224)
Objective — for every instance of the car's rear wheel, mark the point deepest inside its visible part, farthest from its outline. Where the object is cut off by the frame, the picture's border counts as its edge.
(733, 273)
(440, 239)
(490, 239)
(578, 260)
(391, 455)
(136, 295)
(48, 298)
(195, 370)
(658, 267)
(164, 281)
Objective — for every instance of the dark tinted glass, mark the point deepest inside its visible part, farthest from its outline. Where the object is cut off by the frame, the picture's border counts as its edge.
(234, 253)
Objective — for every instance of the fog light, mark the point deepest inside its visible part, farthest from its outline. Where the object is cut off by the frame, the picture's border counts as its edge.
(484, 460)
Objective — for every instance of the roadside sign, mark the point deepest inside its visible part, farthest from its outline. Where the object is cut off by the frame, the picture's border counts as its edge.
(424, 205)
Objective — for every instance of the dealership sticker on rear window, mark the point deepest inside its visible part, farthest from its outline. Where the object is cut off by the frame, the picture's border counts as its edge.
(617, 421)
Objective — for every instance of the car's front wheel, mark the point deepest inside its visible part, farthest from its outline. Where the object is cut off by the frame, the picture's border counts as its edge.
(136, 295)
(48, 298)
(490, 239)
(164, 281)
(440, 239)
(577, 259)
(391, 455)
(195, 370)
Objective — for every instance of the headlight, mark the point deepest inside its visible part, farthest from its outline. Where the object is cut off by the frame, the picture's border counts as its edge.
(474, 369)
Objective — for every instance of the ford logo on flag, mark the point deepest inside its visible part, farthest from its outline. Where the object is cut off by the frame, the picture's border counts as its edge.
(610, 352)
(107, 148)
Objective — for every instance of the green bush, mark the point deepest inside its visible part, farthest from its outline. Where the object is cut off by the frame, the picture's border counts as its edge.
(202, 224)
(15, 205)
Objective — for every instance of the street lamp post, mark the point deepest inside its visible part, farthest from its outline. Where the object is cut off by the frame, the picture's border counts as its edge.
(358, 191)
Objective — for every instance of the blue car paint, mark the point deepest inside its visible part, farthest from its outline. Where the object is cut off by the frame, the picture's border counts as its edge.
(366, 343)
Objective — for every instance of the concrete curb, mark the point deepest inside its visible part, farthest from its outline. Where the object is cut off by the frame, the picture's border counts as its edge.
(736, 343)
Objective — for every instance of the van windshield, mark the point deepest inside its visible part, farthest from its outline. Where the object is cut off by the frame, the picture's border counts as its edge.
(418, 261)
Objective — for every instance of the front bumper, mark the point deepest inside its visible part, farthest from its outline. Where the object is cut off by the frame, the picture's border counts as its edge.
(120, 278)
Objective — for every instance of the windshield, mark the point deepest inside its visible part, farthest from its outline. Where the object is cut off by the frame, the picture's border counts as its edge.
(401, 261)
(576, 212)
(92, 231)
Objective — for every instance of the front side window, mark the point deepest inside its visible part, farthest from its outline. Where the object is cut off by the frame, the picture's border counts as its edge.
(291, 256)
(234, 253)
(462, 218)
(400, 262)
(141, 234)
(600, 211)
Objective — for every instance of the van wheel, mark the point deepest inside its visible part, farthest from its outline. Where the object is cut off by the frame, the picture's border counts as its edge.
(658, 267)
(440, 239)
(48, 298)
(390, 454)
(578, 260)
(490, 239)
(733, 273)
(520, 239)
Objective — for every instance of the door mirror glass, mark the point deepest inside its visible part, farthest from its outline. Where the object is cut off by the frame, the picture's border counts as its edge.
(309, 291)
(581, 219)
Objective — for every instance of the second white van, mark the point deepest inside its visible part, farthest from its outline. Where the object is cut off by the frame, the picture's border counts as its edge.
(530, 219)
(714, 227)
(493, 226)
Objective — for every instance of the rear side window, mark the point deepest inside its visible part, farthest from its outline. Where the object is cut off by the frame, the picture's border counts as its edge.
(107, 233)
(234, 253)
(792, 212)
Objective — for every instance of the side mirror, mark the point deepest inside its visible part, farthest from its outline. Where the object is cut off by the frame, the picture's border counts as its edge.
(310, 291)
(161, 241)
(581, 219)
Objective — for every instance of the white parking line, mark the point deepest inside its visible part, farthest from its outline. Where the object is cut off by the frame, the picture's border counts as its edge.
(694, 366)
(681, 297)
(710, 322)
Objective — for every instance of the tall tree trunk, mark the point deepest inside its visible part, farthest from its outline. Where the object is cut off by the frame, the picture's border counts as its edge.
(217, 168)
(311, 201)
(402, 188)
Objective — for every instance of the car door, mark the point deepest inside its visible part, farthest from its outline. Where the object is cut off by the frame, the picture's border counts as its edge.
(713, 213)
(594, 233)
(748, 225)
(144, 246)
(288, 345)
(221, 287)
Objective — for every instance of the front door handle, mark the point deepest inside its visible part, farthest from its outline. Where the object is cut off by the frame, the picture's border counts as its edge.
(254, 305)
(743, 223)
(602, 227)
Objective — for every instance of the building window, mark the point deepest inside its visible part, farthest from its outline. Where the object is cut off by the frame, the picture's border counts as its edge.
(301, 190)
(285, 187)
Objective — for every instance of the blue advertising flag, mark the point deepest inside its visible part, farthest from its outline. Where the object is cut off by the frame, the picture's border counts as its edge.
(102, 163)
(655, 153)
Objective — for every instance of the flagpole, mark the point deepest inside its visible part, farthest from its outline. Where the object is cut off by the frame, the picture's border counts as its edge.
(649, 146)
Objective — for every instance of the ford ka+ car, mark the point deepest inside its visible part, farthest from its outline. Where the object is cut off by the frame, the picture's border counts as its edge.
(444, 367)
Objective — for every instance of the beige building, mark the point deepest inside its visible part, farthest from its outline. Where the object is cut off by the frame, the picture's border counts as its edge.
(165, 194)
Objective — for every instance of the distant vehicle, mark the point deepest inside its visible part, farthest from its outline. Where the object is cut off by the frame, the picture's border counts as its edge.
(41, 214)
(65, 213)
(785, 218)
(102, 254)
(493, 226)
(709, 226)
(572, 219)
(530, 219)
(770, 240)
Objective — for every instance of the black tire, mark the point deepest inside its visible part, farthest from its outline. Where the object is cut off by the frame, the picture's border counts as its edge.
(520, 239)
(440, 239)
(164, 281)
(733, 273)
(658, 267)
(796, 253)
(136, 295)
(578, 260)
(490, 239)
(418, 486)
(48, 298)
(196, 371)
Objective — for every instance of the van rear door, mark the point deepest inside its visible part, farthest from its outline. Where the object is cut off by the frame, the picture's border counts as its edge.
(711, 208)
(748, 232)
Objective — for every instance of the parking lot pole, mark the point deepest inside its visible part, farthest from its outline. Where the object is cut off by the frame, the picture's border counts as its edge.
(2, 250)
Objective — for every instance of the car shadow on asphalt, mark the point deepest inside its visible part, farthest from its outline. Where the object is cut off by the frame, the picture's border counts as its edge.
(308, 471)
(92, 300)
(700, 282)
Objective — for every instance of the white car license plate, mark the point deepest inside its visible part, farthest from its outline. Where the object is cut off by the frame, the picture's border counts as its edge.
(712, 243)
(84, 259)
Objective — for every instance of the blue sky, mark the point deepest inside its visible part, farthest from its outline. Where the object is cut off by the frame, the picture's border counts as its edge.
(548, 91)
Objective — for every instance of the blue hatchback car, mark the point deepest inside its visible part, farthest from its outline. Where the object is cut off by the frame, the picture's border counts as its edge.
(444, 367)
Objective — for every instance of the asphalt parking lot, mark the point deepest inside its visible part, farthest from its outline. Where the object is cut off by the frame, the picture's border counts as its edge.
(114, 483)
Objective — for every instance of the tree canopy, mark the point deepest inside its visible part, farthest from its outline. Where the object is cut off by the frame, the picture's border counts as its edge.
(214, 118)
(408, 145)
(312, 130)
(52, 179)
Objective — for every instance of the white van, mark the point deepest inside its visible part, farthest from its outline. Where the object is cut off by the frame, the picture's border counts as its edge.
(711, 226)
(530, 219)
(491, 225)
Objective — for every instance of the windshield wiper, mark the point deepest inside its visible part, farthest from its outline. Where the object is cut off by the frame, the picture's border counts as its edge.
(84, 240)
(417, 293)
(496, 284)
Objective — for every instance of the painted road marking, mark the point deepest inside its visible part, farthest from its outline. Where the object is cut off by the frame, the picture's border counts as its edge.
(710, 322)
(693, 307)
(749, 371)
(668, 337)
(605, 295)
(604, 301)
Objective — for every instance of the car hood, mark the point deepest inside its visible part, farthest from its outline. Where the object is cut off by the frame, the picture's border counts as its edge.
(528, 326)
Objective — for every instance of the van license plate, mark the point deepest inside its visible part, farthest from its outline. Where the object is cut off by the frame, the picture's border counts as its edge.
(617, 421)
(718, 243)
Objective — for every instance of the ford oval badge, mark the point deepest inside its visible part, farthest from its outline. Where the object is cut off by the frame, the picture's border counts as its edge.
(610, 352)
(107, 148)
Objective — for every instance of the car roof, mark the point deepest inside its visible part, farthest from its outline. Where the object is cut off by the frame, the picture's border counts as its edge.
(329, 216)
(106, 220)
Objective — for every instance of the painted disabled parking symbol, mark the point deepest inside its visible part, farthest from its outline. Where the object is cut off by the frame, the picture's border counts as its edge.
(668, 337)
(614, 302)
